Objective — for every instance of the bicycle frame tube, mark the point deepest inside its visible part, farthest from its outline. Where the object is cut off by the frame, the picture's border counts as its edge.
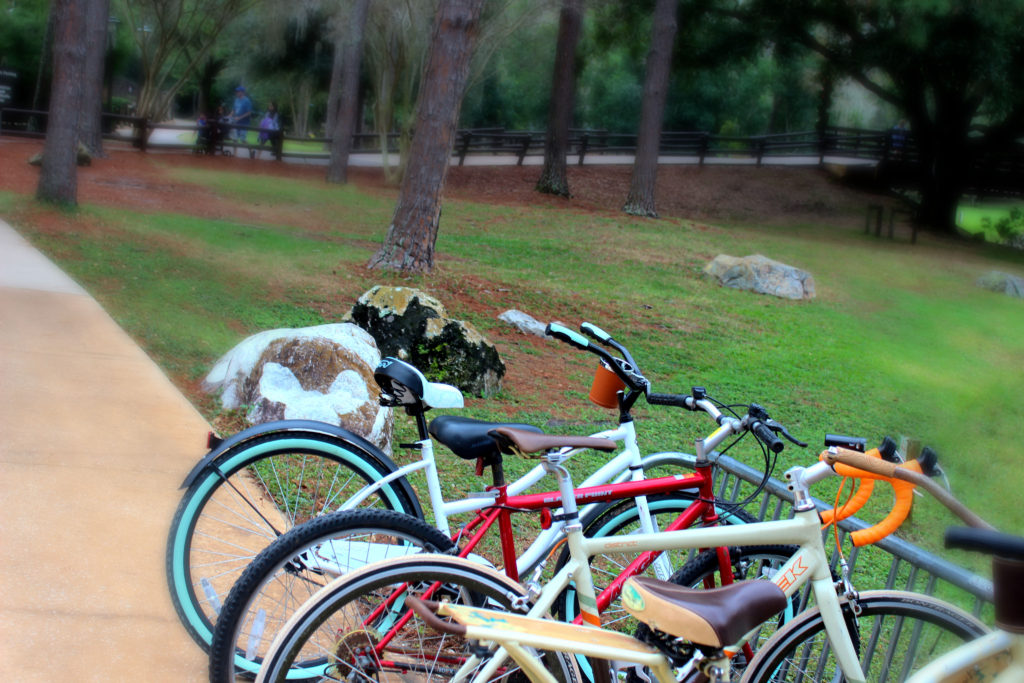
(808, 565)
(977, 652)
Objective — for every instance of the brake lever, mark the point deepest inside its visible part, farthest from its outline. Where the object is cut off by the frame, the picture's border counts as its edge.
(779, 429)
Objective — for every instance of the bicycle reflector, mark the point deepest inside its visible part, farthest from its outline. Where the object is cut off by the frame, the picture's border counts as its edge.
(605, 388)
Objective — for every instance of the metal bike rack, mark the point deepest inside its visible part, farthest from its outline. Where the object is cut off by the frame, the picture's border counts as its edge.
(910, 568)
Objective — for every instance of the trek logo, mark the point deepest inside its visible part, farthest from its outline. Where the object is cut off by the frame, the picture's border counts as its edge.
(789, 577)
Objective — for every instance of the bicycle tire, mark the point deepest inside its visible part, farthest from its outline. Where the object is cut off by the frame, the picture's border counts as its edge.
(232, 507)
(340, 606)
(895, 622)
(288, 571)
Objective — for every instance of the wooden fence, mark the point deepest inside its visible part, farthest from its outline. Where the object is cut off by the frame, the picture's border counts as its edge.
(897, 159)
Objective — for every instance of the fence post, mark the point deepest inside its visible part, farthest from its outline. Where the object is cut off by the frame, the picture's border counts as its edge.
(142, 126)
(584, 142)
(277, 142)
(464, 147)
(524, 148)
(760, 150)
(703, 149)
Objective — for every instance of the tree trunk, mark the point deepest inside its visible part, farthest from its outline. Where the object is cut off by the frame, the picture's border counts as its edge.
(90, 125)
(553, 177)
(943, 177)
(58, 177)
(942, 142)
(348, 106)
(334, 89)
(640, 200)
(211, 68)
(409, 244)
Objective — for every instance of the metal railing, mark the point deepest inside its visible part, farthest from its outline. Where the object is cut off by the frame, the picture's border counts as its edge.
(907, 567)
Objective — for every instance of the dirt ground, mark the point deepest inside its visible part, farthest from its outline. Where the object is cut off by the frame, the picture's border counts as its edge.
(726, 194)
(742, 194)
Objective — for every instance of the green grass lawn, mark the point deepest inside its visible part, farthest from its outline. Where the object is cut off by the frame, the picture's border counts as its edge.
(972, 218)
(898, 341)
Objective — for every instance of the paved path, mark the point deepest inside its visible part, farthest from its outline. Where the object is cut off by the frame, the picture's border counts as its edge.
(94, 441)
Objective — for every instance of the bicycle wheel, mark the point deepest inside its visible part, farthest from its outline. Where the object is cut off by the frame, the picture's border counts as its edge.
(250, 495)
(896, 633)
(286, 573)
(357, 629)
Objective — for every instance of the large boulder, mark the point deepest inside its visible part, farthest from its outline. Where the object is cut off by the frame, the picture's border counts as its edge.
(761, 274)
(998, 281)
(322, 373)
(414, 326)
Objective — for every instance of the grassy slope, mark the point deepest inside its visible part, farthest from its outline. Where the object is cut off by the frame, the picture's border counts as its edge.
(898, 341)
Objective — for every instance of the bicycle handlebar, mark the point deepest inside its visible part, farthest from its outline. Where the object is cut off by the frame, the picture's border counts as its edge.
(903, 478)
(569, 337)
(756, 421)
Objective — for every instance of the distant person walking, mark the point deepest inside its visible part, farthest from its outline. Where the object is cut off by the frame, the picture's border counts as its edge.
(241, 113)
(270, 123)
(898, 136)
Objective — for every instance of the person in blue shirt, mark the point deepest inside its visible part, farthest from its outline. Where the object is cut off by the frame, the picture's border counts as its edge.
(241, 113)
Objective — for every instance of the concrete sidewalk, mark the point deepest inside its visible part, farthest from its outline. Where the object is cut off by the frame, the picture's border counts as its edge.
(94, 442)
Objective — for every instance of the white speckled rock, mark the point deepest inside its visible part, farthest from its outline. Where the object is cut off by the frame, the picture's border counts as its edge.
(322, 373)
(761, 274)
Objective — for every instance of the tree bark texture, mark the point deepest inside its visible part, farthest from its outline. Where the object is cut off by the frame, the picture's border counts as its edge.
(640, 200)
(348, 104)
(553, 176)
(58, 177)
(409, 244)
(90, 125)
(334, 88)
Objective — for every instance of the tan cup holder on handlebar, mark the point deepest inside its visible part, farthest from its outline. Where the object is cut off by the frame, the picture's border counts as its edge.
(605, 387)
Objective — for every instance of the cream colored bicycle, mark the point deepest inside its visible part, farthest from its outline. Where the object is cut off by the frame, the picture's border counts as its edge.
(363, 627)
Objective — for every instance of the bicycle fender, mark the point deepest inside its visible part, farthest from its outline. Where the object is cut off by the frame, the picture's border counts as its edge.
(309, 426)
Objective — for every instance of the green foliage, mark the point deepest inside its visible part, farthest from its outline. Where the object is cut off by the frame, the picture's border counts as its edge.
(1009, 227)
(21, 42)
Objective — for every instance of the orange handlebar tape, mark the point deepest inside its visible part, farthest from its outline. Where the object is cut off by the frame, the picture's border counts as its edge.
(904, 497)
(852, 506)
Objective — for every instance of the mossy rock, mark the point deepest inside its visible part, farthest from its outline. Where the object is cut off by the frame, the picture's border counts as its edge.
(412, 325)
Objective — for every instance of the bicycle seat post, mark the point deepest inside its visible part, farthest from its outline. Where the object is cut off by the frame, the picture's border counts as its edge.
(552, 464)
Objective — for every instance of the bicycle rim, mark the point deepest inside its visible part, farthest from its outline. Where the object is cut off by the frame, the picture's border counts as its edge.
(287, 573)
(248, 498)
(357, 628)
(897, 634)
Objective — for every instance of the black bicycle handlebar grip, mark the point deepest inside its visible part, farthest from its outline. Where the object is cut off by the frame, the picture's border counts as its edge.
(767, 437)
(987, 541)
(568, 336)
(887, 449)
(677, 400)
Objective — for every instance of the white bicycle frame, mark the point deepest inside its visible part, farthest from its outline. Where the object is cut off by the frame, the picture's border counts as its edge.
(809, 564)
(959, 664)
(626, 465)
